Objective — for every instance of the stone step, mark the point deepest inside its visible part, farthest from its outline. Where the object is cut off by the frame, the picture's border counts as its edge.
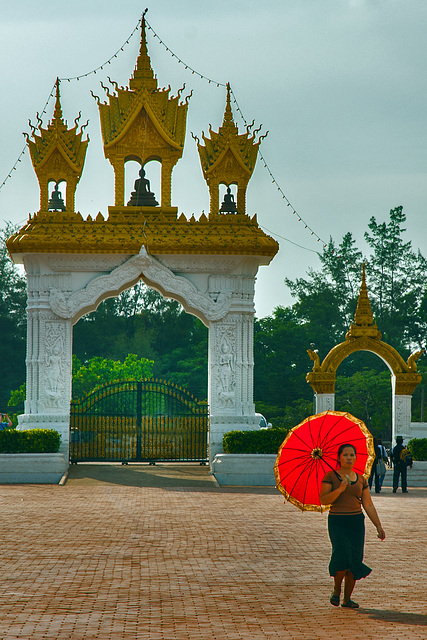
(417, 476)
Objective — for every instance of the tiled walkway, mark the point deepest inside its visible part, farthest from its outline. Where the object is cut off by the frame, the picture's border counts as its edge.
(163, 553)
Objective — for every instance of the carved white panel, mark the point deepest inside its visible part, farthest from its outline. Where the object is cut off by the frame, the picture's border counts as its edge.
(325, 402)
(154, 274)
(85, 263)
(200, 264)
(402, 416)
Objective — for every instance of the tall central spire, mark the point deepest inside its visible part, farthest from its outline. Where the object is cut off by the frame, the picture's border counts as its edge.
(143, 74)
(363, 318)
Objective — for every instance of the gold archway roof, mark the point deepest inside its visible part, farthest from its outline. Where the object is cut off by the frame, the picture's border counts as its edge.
(363, 335)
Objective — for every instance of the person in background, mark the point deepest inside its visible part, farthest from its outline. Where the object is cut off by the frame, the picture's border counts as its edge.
(399, 466)
(374, 471)
(5, 421)
(384, 456)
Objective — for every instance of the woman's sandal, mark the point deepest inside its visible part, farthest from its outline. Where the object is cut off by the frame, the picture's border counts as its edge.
(350, 604)
(334, 599)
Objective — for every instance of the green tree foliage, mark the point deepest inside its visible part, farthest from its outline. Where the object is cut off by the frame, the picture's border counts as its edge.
(367, 395)
(397, 283)
(98, 371)
(12, 321)
(142, 322)
(325, 302)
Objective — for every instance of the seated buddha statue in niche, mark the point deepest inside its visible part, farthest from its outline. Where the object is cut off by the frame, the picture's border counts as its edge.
(142, 196)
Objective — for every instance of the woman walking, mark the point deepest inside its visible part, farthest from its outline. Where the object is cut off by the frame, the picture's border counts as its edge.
(347, 492)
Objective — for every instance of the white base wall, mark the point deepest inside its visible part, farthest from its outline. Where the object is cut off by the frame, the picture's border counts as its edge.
(32, 468)
(244, 469)
(257, 470)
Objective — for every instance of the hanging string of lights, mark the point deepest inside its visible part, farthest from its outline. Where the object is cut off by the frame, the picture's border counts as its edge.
(101, 66)
(180, 61)
(238, 109)
(274, 181)
(52, 93)
(202, 77)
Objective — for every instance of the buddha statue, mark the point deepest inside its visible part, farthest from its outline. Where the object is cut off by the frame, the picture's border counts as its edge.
(142, 196)
(56, 203)
(228, 205)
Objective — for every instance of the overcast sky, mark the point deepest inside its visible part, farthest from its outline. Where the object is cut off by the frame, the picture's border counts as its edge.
(339, 84)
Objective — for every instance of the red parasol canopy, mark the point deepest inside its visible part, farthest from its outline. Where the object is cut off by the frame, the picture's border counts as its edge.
(310, 450)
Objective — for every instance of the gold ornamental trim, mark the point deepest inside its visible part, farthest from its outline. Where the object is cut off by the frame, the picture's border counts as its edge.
(128, 228)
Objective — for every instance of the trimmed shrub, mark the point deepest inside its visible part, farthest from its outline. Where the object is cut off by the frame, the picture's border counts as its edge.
(31, 441)
(263, 441)
(418, 448)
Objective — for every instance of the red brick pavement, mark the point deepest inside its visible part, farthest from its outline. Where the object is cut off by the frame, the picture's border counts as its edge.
(163, 553)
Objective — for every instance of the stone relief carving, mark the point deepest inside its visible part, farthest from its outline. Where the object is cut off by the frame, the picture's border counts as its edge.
(227, 363)
(55, 358)
(200, 264)
(85, 263)
(156, 274)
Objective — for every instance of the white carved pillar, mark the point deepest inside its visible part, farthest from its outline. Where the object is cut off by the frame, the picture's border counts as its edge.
(325, 402)
(231, 362)
(49, 361)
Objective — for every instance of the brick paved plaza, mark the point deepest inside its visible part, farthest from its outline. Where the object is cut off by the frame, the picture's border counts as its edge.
(163, 553)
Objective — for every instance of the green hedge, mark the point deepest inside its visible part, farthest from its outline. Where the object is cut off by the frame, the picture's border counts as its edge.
(31, 441)
(418, 448)
(260, 441)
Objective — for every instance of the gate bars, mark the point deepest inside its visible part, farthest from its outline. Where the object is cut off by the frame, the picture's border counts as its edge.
(138, 421)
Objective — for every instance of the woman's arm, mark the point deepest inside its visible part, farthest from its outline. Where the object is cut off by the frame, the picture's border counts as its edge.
(371, 512)
(329, 495)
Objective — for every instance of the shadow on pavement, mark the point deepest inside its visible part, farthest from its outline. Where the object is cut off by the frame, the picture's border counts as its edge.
(142, 475)
(169, 476)
(395, 616)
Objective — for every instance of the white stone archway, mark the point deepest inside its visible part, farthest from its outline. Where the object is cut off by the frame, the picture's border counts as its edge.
(219, 290)
(208, 265)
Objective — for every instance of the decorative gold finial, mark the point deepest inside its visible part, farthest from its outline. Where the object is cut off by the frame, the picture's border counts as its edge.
(57, 114)
(58, 155)
(363, 324)
(228, 158)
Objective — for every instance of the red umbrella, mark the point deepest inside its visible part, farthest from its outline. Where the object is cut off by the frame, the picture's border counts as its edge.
(310, 450)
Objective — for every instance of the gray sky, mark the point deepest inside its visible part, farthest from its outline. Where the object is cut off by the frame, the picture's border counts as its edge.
(339, 84)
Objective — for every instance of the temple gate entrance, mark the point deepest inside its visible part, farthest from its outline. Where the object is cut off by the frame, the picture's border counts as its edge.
(363, 335)
(209, 265)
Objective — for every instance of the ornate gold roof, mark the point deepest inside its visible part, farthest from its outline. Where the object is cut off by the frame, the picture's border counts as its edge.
(141, 99)
(125, 233)
(58, 154)
(242, 147)
(228, 157)
(57, 137)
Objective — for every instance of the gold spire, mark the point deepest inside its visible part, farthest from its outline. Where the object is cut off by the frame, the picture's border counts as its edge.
(142, 122)
(57, 114)
(228, 157)
(58, 154)
(143, 75)
(363, 324)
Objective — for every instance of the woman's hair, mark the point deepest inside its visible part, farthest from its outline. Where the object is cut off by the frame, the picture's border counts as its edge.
(341, 449)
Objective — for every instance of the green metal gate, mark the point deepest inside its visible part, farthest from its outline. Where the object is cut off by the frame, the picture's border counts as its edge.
(138, 421)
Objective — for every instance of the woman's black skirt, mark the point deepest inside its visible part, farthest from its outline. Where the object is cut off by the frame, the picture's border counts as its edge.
(347, 534)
